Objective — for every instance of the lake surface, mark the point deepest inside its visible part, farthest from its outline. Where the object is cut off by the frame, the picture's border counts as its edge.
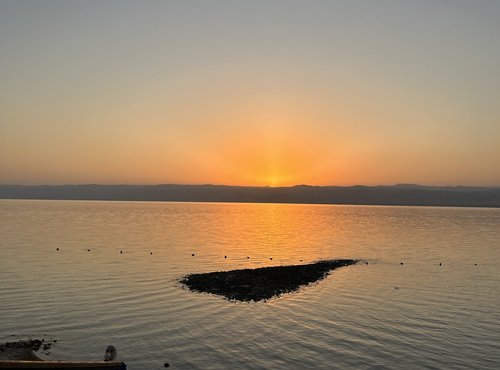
(384, 315)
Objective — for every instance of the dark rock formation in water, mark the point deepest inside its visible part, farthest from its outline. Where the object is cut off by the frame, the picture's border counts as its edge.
(23, 349)
(261, 283)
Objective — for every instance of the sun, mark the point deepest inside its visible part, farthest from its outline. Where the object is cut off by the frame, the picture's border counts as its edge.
(274, 180)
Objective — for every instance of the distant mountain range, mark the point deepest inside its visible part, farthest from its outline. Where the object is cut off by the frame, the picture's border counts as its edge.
(401, 194)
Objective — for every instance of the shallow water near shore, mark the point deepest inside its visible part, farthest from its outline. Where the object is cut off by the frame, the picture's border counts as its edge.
(383, 314)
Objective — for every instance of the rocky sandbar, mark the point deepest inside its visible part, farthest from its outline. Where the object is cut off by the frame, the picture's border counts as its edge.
(261, 283)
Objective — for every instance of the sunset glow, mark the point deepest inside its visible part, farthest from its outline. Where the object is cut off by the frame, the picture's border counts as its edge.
(249, 184)
(325, 93)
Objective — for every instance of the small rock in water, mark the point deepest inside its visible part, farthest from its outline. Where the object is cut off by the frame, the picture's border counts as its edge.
(440, 264)
(475, 264)
(57, 249)
(121, 252)
(47, 346)
(366, 262)
(396, 287)
(401, 263)
(192, 254)
(271, 258)
(151, 253)
(225, 256)
(248, 257)
(166, 364)
(88, 250)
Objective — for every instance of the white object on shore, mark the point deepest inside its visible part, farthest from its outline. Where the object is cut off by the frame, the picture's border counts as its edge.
(110, 354)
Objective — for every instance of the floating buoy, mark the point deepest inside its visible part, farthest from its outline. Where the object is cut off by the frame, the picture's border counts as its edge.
(475, 264)
(248, 257)
(121, 252)
(366, 262)
(396, 287)
(225, 256)
(440, 264)
(271, 258)
(401, 263)
(192, 254)
(57, 249)
(151, 253)
(166, 364)
(88, 250)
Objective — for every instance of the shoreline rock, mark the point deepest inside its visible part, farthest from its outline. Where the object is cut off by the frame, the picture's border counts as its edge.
(24, 349)
(261, 283)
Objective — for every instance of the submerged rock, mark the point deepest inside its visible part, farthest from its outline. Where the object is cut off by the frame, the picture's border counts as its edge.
(261, 283)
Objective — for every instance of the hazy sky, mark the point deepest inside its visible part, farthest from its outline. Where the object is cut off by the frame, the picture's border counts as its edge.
(250, 92)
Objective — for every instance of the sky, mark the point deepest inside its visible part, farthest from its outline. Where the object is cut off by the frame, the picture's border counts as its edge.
(267, 93)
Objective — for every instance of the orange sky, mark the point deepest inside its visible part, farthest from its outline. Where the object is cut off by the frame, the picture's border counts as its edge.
(328, 93)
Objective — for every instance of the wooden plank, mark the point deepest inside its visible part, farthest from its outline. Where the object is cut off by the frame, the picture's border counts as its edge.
(61, 365)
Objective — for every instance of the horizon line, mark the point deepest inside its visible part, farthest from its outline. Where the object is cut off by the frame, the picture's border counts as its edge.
(255, 186)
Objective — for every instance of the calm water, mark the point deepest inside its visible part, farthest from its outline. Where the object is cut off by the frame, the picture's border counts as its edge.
(441, 317)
